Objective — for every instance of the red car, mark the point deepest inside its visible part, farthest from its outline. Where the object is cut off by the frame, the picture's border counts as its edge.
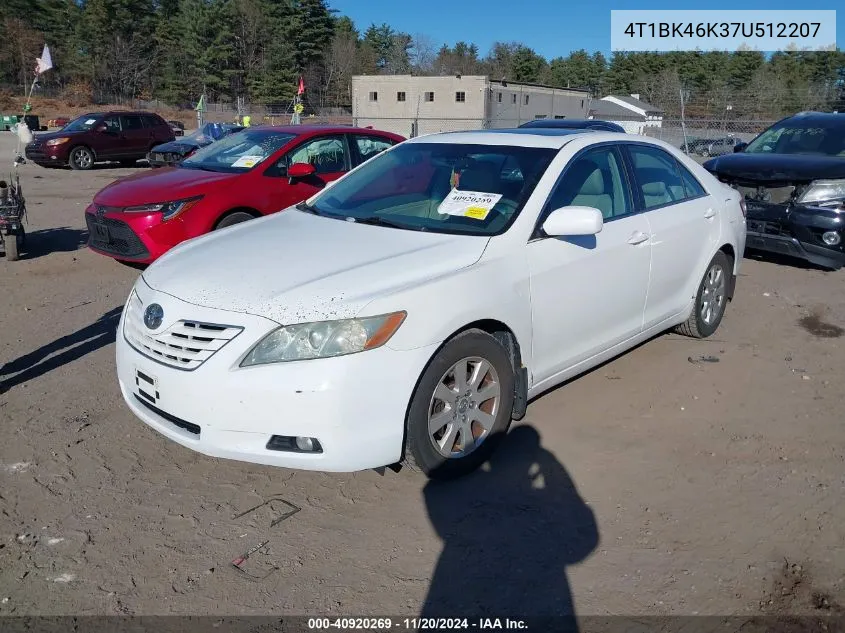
(257, 171)
(100, 137)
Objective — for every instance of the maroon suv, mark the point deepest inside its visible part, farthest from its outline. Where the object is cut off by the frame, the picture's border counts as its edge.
(100, 137)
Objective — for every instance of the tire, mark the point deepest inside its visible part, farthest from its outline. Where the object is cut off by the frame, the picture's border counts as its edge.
(705, 153)
(13, 245)
(234, 218)
(81, 158)
(715, 281)
(477, 352)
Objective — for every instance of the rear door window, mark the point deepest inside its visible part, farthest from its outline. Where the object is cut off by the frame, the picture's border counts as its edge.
(369, 146)
(131, 122)
(658, 177)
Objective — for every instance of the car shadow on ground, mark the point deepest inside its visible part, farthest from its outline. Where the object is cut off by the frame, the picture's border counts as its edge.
(62, 239)
(509, 531)
(60, 352)
(782, 260)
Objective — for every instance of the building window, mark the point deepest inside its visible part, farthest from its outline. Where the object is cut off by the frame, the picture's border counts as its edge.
(582, 103)
(429, 97)
(526, 99)
(560, 116)
(400, 96)
(513, 98)
(539, 116)
(373, 96)
(460, 97)
(500, 97)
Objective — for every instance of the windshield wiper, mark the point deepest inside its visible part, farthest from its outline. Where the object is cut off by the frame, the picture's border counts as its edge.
(304, 206)
(379, 221)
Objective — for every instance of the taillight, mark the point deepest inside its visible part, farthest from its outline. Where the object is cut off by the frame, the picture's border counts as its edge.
(742, 206)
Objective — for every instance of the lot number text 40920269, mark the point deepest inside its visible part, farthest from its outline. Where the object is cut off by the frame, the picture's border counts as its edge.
(723, 29)
(415, 624)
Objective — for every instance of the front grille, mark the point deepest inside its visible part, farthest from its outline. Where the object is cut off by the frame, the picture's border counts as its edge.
(114, 237)
(182, 424)
(184, 345)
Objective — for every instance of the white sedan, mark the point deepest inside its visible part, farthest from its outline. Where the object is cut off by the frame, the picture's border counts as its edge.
(410, 310)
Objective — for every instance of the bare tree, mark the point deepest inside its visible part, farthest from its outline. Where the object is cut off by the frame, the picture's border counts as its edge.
(423, 53)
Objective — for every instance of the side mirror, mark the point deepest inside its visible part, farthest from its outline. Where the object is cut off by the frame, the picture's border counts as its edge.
(739, 147)
(300, 170)
(571, 221)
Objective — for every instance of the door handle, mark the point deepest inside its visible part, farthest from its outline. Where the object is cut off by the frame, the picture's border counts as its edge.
(710, 213)
(637, 238)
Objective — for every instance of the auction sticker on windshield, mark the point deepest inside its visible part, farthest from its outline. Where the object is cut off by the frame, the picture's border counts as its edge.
(247, 161)
(469, 204)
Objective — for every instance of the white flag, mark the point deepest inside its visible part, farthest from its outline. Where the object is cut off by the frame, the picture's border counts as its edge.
(45, 62)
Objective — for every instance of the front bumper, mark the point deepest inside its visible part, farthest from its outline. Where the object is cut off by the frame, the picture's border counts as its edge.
(133, 237)
(796, 231)
(355, 405)
(42, 154)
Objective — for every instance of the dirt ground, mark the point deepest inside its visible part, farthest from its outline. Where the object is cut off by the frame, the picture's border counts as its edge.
(686, 477)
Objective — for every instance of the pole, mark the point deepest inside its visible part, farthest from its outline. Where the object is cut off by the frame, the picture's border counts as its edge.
(683, 123)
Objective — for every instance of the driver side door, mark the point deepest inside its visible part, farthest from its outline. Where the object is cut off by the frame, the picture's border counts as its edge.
(330, 157)
(588, 293)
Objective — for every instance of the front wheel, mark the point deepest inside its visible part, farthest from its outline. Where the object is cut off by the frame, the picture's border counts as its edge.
(711, 300)
(81, 158)
(461, 408)
(234, 218)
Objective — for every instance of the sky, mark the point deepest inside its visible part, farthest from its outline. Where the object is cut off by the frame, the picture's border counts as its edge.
(553, 28)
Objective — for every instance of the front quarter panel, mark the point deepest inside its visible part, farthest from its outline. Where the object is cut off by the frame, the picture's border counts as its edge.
(492, 289)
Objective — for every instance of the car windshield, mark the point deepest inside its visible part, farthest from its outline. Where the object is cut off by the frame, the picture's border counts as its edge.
(796, 137)
(238, 152)
(81, 124)
(439, 187)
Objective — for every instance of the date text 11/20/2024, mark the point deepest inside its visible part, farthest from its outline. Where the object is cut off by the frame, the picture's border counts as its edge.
(414, 624)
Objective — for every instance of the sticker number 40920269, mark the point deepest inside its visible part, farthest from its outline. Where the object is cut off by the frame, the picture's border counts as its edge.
(470, 204)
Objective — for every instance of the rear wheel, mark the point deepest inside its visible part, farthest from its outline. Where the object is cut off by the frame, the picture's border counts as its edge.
(711, 300)
(461, 407)
(81, 158)
(234, 218)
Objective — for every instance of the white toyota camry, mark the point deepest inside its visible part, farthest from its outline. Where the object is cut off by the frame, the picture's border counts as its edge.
(410, 310)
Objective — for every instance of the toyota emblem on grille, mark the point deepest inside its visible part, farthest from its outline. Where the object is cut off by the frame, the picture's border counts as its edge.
(153, 316)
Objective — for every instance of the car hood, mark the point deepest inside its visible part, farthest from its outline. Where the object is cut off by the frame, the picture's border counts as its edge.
(159, 185)
(294, 267)
(42, 137)
(775, 169)
(182, 146)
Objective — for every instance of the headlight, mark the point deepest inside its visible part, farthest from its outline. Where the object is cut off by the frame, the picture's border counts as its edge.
(324, 339)
(168, 210)
(823, 192)
(57, 141)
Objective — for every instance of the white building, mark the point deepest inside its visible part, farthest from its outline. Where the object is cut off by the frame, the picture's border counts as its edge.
(628, 111)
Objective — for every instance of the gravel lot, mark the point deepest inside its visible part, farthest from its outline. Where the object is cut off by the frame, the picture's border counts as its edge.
(656, 484)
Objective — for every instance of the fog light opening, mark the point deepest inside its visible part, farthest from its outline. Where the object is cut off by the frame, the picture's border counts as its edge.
(294, 444)
(831, 238)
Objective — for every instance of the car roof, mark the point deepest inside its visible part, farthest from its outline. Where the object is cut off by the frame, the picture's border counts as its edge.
(300, 130)
(818, 117)
(573, 124)
(554, 138)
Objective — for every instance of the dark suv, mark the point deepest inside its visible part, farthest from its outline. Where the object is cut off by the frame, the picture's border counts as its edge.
(100, 137)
